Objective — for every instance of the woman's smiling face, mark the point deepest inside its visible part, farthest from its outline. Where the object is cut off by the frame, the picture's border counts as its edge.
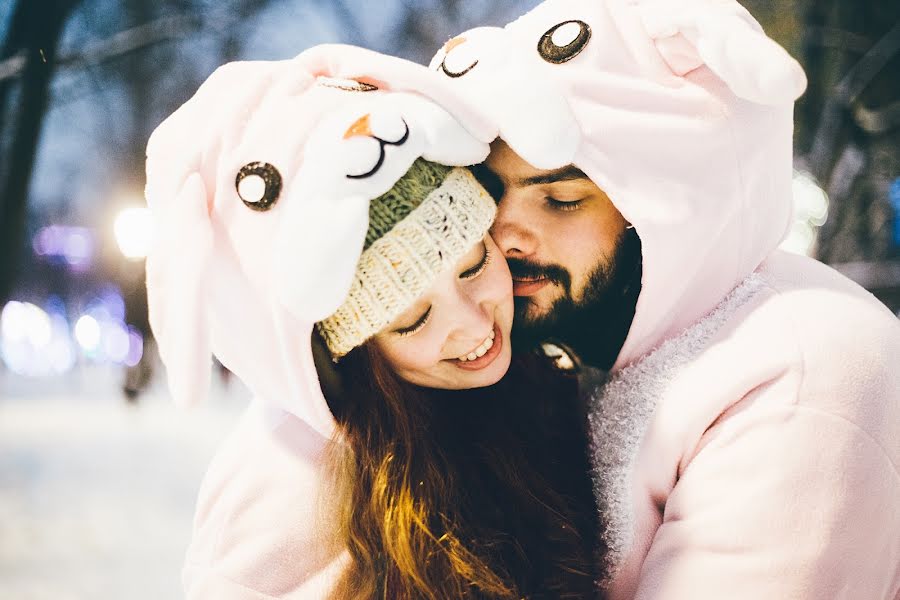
(456, 335)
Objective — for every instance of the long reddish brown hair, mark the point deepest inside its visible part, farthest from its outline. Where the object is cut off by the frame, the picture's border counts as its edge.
(464, 494)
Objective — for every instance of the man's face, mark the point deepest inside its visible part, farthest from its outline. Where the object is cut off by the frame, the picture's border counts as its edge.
(562, 238)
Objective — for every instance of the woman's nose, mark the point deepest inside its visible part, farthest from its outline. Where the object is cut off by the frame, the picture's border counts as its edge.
(474, 317)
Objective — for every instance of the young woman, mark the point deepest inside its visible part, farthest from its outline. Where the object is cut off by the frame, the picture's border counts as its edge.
(420, 459)
(455, 485)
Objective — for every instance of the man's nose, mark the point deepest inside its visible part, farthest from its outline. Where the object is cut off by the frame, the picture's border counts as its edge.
(513, 230)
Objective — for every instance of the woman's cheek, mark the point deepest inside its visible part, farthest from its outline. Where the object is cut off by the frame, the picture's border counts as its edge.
(499, 280)
(416, 354)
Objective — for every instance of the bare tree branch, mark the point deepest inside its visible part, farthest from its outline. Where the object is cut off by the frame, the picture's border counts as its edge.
(124, 42)
(13, 66)
(882, 275)
(849, 88)
(347, 17)
(832, 37)
(877, 121)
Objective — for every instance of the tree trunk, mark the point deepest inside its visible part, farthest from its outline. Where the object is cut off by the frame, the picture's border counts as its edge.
(36, 29)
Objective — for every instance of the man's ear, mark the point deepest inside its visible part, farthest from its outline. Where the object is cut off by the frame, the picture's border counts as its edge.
(722, 35)
(176, 272)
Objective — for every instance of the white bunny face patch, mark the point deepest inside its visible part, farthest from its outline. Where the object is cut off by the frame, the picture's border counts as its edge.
(532, 74)
(355, 154)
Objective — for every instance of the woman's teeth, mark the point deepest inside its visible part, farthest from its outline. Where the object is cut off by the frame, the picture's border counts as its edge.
(479, 351)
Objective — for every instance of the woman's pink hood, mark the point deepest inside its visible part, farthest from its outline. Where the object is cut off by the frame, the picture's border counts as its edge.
(243, 269)
(681, 110)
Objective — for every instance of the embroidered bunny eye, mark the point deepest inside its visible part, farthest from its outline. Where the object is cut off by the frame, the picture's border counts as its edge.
(564, 41)
(455, 70)
(259, 185)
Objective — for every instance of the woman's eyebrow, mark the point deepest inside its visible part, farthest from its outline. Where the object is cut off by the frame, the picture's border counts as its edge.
(567, 173)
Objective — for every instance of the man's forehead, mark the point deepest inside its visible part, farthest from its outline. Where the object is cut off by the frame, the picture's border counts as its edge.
(513, 170)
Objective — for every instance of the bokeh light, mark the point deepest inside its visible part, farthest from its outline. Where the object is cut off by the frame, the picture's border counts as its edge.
(87, 333)
(34, 342)
(65, 244)
(134, 229)
(135, 347)
(810, 213)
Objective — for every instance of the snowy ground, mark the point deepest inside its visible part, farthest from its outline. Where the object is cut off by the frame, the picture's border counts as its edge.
(97, 495)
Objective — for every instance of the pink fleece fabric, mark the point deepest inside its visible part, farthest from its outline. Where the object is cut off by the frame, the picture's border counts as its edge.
(247, 286)
(747, 443)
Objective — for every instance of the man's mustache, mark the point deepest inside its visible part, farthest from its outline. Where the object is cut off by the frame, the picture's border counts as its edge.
(525, 269)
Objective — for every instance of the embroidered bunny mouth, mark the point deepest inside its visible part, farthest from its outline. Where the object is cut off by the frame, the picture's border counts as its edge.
(361, 128)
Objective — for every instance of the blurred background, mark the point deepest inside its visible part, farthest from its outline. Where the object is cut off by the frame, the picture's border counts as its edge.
(98, 474)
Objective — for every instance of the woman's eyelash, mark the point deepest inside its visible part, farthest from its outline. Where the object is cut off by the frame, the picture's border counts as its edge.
(479, 268)
(415, 327)
(470, 274)
(564, 206)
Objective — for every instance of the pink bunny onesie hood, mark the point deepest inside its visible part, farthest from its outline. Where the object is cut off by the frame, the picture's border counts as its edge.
(260, 187)
(747, 441)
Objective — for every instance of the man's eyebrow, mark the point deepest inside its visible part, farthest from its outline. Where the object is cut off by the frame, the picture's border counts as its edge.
(567, 173)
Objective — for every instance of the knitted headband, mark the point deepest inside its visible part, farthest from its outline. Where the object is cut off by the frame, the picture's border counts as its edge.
(425, 223)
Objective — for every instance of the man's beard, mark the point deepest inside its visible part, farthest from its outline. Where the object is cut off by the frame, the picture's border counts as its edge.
(595, 327)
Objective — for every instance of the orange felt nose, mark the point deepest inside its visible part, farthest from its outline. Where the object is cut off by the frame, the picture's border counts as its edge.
(360, 127)
(454, 43)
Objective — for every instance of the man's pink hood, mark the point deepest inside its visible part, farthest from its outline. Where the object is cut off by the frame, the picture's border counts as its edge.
(681, 110)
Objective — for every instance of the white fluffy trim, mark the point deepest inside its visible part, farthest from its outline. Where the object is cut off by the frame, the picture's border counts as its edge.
(620, 411)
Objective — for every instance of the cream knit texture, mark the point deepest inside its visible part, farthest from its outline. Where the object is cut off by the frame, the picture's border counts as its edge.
(388, 209)
(398, 267)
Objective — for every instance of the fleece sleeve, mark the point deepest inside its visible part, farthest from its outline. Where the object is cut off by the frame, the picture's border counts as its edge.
(780, 502)
(203, 583)
(266, 523)
(208, 582)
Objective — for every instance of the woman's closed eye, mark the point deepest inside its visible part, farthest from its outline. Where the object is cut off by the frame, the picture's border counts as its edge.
(478, 269)
(470, 273)
(415, 327)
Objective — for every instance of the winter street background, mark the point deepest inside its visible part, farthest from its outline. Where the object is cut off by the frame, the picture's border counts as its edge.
(97, 494)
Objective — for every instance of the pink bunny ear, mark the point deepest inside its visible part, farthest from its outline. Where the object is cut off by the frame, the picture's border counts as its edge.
(722, 35)
(176, 267)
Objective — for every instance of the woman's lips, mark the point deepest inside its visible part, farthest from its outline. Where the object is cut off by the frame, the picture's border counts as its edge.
(528, 287)
(489, 356)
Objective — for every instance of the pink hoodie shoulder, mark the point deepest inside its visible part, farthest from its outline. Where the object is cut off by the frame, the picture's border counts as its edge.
(757, 454)
(266, 524)
(747, 443)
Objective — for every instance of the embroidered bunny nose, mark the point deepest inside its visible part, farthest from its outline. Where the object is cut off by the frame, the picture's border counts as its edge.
(383, 129)
(451, 44)
(361, 126)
